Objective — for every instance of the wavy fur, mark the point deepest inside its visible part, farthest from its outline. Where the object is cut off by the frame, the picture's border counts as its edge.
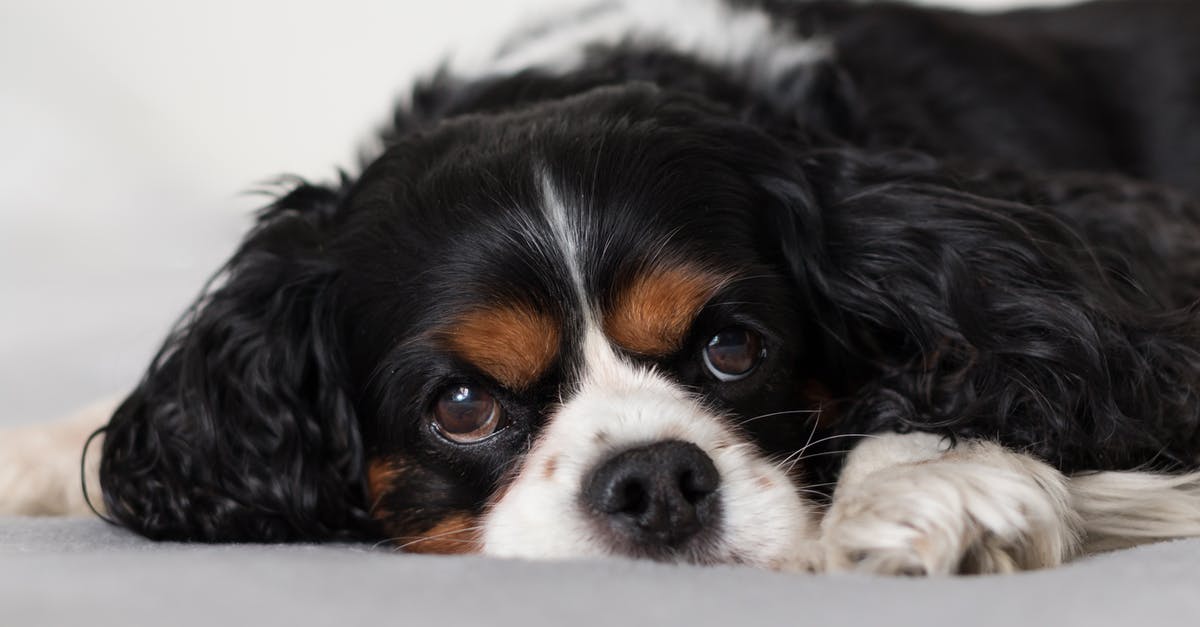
(949, 223)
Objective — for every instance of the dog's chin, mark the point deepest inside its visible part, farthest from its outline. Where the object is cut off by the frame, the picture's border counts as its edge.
(754, 516)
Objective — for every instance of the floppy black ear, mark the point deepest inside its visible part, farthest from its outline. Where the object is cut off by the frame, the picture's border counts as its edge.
(241, 429)
(986, 304)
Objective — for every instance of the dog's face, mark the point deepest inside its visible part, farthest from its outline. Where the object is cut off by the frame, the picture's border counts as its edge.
(565, 330)
(573, 339)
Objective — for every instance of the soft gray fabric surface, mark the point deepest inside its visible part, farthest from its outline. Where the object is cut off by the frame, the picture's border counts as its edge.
(123, 155)
(58, 571)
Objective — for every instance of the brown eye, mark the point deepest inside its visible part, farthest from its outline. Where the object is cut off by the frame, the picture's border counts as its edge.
(466, 414)
(733, 353)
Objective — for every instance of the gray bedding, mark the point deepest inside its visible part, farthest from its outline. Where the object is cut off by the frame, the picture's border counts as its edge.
(76, 572)
(117, 213)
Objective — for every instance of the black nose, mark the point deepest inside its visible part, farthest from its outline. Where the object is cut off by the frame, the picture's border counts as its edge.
(658, 495)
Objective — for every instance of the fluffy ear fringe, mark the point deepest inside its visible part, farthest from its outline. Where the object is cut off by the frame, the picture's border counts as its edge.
(975, 316)
(241, 429)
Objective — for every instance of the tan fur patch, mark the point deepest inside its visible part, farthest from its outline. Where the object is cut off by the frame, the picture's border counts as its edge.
(653, 313)
(455, 534)
(381, 477)
(513, 343)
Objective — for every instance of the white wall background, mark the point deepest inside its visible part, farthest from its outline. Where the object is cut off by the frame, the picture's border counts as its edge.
(129, 129)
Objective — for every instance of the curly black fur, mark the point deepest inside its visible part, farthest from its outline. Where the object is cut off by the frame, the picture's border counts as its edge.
(1002, 317)
(242, 428)
(953, 203)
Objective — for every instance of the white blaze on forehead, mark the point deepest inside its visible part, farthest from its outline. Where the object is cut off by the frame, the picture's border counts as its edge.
(739, 38)
(566, 235)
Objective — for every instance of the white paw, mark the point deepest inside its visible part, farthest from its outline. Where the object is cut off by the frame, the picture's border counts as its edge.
(805, 557)
(40, 465)
(978, 509)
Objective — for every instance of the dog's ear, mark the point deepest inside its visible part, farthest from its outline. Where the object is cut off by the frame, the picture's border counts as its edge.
(241, 429)
(970, 303)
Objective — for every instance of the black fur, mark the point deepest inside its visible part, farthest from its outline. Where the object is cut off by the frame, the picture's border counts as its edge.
(978, 226)
(243, 428)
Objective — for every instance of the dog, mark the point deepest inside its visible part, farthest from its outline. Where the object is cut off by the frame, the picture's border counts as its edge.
(807, 286)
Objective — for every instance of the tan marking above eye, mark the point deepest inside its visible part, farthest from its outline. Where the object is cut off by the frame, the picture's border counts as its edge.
(652, 314)
(512, 343)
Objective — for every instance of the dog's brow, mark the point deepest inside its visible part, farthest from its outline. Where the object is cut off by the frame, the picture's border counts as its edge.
(512, 343)
(651, 314)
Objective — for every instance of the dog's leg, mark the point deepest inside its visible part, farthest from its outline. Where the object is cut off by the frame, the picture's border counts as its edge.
(39, 465)
(910, 504)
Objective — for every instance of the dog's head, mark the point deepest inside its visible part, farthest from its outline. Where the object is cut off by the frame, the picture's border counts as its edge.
(573, 329)
(566, 320)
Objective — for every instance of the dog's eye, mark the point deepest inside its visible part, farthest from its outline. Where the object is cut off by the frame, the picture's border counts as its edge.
(733, 353)
(465, 414)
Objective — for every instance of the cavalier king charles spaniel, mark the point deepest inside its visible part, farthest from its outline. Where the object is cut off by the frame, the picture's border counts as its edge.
(798, 285)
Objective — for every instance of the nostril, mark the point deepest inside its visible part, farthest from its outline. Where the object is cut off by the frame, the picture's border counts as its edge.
(631, 498)
(695, 488)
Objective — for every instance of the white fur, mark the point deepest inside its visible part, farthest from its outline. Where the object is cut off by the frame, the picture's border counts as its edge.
(566, 237)
(1122, 509)
(911, 504)
(39, 465)
(907, 504)
(744, 39)
(618, 406)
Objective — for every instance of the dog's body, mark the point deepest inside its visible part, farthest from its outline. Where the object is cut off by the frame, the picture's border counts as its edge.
(636, 289)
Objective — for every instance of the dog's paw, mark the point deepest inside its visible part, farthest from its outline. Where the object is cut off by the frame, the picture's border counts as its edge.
(40, 465)
(806, 557)
(983, 511)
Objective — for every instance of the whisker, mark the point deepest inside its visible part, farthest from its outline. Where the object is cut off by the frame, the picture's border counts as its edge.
(816, 423)
(838, 435)
(444, 535)
(821, 454)
(779, 413)
(385, 541)
(808, 442)
(799, 456)
(780, 464)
